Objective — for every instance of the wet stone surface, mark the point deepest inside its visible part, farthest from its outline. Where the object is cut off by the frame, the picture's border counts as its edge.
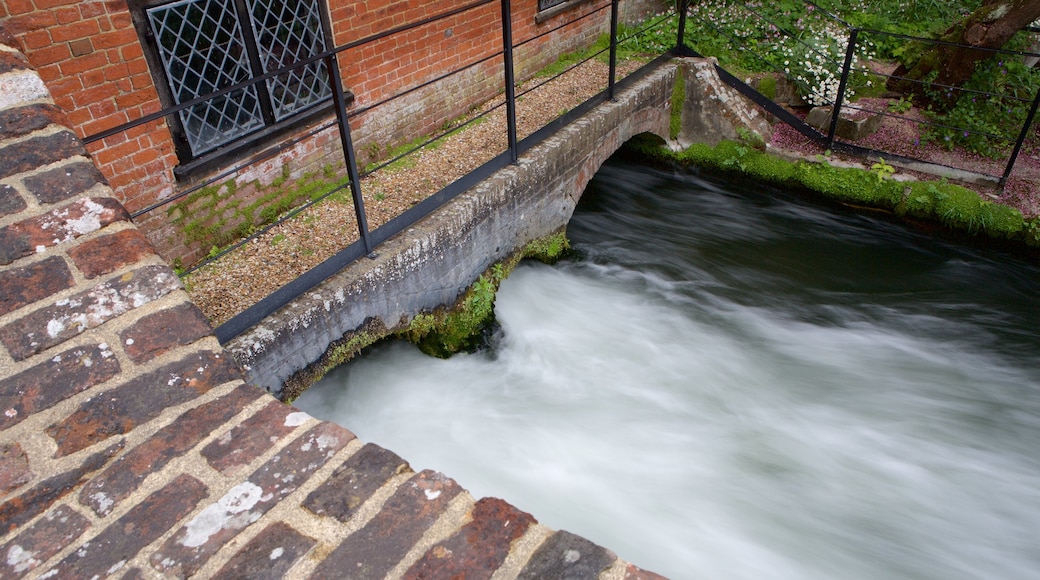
(374, 550)
(355, 481)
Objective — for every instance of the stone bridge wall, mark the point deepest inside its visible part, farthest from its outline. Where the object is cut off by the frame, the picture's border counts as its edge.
(444, 254)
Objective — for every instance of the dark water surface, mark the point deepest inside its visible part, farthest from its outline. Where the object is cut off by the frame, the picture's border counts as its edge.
(733, 383)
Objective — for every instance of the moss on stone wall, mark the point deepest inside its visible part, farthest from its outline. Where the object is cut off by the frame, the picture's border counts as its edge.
(678, 99)
(959, 209)
(225, 212)
(463, 327)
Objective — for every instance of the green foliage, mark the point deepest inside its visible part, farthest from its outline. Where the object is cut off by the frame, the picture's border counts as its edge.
(903, 105)
(984, 123)
(767, 86)
(882, 170)
(677, 102)
(952, 205)
(458, 329)
(461, 328)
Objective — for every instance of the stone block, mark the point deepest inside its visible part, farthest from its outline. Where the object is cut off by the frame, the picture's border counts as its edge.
(23, 286)
(191, 546)
(62, 183)
(54, 380)
(565, 555)
(853, 125)
(122, 478)
(58, 226)
(140, 400)
(53, 325)
(355, 481)
(254, 436)
(270, 555)
(375, 549)
(45, 538)
(157, 333)
(477, 550)
(109, 552)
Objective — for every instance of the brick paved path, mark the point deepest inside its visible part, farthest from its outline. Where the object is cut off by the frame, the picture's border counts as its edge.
(131, 447)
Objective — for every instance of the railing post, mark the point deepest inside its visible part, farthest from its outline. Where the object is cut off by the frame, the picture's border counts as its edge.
(340, 102)
(850, 52)
(680, 39)
(613, 48)
(1021, 139)
(507, 54)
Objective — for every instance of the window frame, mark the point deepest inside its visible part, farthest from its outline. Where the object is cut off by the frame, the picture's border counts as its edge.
(548, 12)
(191, 164)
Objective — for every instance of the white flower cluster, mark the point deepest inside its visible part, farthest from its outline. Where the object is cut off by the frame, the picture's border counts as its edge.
(815, 63)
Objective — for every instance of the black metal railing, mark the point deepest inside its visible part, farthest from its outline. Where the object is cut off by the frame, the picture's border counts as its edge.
(368, 240)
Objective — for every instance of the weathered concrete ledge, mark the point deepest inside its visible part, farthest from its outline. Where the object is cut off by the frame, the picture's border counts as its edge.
(434, 263)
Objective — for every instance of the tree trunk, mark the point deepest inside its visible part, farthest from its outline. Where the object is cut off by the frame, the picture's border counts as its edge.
(991, 26)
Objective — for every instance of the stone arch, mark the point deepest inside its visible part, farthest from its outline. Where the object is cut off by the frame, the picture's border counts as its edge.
(653, 120)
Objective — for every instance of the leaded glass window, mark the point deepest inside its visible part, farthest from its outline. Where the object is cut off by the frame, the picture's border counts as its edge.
(209, 45)
(547, 4)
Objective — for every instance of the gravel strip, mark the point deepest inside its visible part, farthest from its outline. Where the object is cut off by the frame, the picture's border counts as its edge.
(240, 279)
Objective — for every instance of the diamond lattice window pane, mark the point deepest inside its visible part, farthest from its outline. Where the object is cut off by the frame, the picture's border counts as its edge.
(286, 32)
(202, 50)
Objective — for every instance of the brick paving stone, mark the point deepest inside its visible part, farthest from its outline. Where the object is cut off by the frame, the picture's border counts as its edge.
(28, 284)
(355, 481)
(38, 542)
(54, 380)
(63, 183)
(269, 555)
(16, 511)
(124, 475)
(107, 254)
(477, 550)
(10, 201)
(157, 333)
(375, 549)
(20, 121)
(58, 226)
(14, 467)
(565, 555)
(38, 151)
(141, 399)
(144, 523)
(69, 317)
(634, 573)
(251, 438)
(191, 546)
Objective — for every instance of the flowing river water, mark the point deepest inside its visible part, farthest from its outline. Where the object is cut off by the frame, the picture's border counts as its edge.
(732, 382)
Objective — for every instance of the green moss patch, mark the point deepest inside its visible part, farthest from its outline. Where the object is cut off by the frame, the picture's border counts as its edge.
(959, 209)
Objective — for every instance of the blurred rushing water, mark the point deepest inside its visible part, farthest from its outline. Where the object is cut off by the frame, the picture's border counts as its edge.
(731, 382)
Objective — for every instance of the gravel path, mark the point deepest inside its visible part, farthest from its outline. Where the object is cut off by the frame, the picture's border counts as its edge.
(243, 277)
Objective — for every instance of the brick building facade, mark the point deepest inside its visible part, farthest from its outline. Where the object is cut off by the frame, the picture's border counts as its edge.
(108, 62)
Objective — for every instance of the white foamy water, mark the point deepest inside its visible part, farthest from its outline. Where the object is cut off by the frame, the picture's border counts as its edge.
(708, 415)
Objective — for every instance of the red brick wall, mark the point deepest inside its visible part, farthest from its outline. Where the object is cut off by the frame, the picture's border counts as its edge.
(90, 57)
